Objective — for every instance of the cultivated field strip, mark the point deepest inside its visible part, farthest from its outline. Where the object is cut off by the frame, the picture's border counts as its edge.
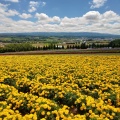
(60, 87)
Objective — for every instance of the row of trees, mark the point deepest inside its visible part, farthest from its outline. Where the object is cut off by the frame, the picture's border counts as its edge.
(28, 47)
(16, 47)
(115, 43)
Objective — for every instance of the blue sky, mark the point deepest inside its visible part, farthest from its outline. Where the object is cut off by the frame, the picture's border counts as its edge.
(60, 16)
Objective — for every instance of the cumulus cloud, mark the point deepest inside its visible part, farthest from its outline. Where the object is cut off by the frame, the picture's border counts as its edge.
(70, 22)
(33, 5)
(25, 16)
(43, 18)
(3, 7)
(109, 14)
(92, 15)
(92, 21)
(110, 17)
(12, 0)
(11, 13)
(32, 9)
(24, 22)
(4, 10)
(56, 19)
(97, 3)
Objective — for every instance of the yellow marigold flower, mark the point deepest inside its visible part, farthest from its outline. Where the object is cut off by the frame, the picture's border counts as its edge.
(17, 111)
(38, 108)
(32, 111)
(8, 107)
(111, 117)
(66, 112)
(113, 114)
(43, 113)
(48, 113)
(108, 115)
(49, 108)
(43, 119)
(81, 108)
(57, 118)
(93, 105)
(45, 106)
(90, 111)
(87, 114)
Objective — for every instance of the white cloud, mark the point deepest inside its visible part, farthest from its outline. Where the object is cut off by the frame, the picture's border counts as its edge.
(12, 13)
(42, 3)
(32, 9)
(56, 19)
(25, 16)
(70, 22)
(3, 7)
(24, 23)
(109, 14)
(97, 3)
(12, 0)
(43, 18)
(92, 15)
(110, 17)
(33, 5)
(4, 10)
(92, 21)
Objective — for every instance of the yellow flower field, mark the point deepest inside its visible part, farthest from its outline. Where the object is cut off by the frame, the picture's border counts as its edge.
(60, 87)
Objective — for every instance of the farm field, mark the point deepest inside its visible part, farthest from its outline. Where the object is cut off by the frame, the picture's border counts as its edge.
(60, 87)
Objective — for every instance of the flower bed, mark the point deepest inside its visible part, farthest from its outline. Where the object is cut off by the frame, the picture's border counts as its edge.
(55, 87)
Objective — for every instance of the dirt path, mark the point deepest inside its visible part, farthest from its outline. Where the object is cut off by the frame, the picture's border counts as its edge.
(71, 51)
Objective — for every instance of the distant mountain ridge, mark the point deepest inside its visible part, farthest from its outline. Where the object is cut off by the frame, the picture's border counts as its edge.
(63, 34)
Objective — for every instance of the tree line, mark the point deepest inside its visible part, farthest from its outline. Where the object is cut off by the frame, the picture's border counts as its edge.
(29, 47)
(16, 47)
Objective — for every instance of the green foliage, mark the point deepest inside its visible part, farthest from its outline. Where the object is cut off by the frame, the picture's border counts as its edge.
(9, 81)
(83, 46)
(19, 47)
(115, 43)
(69, 98)
(16, 47)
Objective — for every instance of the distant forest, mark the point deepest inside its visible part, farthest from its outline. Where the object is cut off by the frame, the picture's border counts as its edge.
(17, 47)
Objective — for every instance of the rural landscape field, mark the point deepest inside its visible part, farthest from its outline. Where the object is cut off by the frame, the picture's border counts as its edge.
(59, 59)
(60, 87)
